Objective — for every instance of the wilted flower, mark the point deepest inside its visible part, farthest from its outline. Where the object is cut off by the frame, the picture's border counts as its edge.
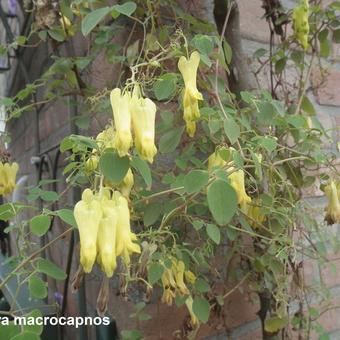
(88, 214)
(122, 119)
(194, 320)
(178, 268)
(169, 286)
(191, 95)
(215, 161)
(106, 138)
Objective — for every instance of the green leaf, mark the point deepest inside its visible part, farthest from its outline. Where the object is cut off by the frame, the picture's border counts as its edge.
(155, 273)
(114, 167)
(202, 286)
(222, 201)
(274, 324)
(126, 9)
(165, 86)
(307, 106)
(39, 225)
(269, 143)
(151, 213)
(195, 180)
(50, 269)
(143, 168)
(232, 130)
(33, 328)
(49, 196)
(7, 211)
(93, 18)
(67, 216)
(57, 34)
(214, 233)
(37, 287)
(203, 43)
(266, 112)
(201, 308)
(169, 141)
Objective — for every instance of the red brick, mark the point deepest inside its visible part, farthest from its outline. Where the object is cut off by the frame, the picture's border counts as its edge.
(327, 88)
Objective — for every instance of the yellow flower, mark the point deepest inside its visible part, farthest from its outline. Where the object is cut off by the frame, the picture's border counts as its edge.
(178, 268)
(106, 239)
(190, 276)
(194, 320)
(169, 286)
(215, 161)
(191, 95)
(88, 214)
(143, 112)
(300, 23)
(237, 182)
(124, 241)
(122, 119)
(333, 207)
(8, 173)
(127, 184)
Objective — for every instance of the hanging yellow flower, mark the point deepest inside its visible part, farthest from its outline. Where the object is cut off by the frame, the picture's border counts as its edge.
(122, 119)
(237, 182)
(127, 184)
(169, 286)
(300, 23)
(106, 239)
(216, 161)
(8, 173)
(124, 239)
(333, 207)
(178, 268)
(194, 320)
(191, 95)
(88, 214)
(143, 112)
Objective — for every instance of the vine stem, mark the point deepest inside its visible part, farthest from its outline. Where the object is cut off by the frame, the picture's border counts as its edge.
(32, 256)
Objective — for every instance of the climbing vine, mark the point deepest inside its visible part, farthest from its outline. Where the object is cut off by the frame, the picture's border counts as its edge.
(189, 191)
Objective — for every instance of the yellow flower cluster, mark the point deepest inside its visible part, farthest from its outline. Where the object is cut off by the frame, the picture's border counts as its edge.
(103, 221)
(300, 23)
(173, 283)
(251, 209)
(141, 112)
(236, 178)
(191, 96)
(8, 173)
(332, 191)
